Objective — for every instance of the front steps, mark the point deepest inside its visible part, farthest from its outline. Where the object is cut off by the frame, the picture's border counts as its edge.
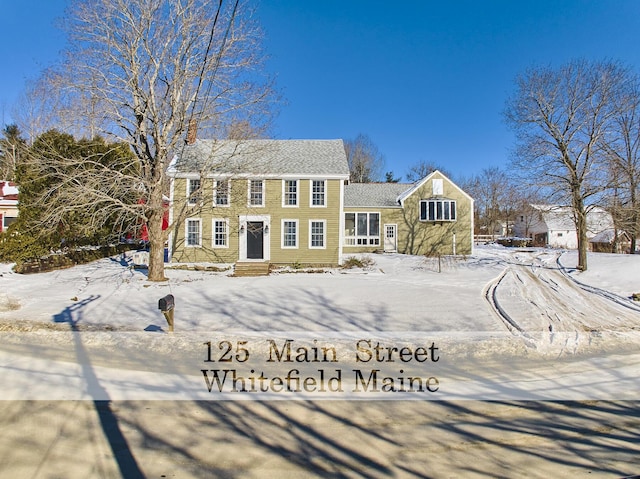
(251, 269)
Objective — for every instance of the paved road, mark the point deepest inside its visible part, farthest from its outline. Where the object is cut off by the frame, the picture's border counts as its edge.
(281, 439)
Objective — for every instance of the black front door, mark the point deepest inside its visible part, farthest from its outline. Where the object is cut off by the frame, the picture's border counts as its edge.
(255, 240)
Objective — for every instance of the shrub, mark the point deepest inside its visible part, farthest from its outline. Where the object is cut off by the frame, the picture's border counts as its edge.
(355, 262)
(17, 248)
(514, 242)
(69, 258)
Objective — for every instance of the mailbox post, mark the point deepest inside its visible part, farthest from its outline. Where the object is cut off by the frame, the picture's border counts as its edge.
(167, 305)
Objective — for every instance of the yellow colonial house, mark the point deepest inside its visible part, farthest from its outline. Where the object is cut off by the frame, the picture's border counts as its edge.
(290, 202)
(269, 201)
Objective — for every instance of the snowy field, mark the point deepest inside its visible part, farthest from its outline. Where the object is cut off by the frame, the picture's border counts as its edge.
(397, 293)
(508, 324)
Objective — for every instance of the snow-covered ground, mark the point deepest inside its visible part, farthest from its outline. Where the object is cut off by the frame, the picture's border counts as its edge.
(398, 292)
(496, 319)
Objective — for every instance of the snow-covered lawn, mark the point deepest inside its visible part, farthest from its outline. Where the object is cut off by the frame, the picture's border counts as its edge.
(488, 315)
(618, 273)
(397, 293)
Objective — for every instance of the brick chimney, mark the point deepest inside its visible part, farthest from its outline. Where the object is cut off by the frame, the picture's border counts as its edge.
(192, 131)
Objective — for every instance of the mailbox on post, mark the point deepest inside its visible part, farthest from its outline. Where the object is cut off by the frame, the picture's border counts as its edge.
(167, 305)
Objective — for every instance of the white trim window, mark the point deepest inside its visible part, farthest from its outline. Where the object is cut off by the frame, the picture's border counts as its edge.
(193, 233)
(317, 234)
(194, 192)
(318, 193)
(220, 228)
(290, 193)
(362, 229)
(437, 210)
(7, 220)
(289, 234)
(221, 193)
(256, 193)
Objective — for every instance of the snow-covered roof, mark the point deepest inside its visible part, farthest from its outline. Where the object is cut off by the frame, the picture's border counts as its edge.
(8, 188)
(561, 218)
(374, 194)
(557, 218)
(608, 236)
(326, 158)
(599, 220)
(8, 193)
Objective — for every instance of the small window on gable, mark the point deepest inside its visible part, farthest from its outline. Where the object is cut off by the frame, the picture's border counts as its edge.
(438, 187)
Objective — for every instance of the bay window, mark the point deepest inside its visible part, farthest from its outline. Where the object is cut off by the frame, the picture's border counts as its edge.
(362, 229)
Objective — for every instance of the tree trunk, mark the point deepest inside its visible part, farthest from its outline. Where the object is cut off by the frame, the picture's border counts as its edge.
(635, 217)
(156, 258)
(156, 237)
(581, 231)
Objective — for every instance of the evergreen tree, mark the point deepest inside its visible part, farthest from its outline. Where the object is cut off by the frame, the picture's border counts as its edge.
(49, 218)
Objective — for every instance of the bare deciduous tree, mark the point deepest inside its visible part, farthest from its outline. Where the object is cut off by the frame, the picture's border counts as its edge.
(560, 117)
(623, 155)
(140, 72)
(37, 108)
(496, 201)
(365, 161)
(424, 168)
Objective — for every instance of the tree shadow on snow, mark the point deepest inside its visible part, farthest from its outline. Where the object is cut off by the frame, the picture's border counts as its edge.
(359, 438)
(127, 464)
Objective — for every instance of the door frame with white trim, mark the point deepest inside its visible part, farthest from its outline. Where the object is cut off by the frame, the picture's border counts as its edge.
(390, 241)
(243, 234)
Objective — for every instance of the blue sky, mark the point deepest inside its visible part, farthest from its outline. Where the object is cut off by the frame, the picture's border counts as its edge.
(425, 80)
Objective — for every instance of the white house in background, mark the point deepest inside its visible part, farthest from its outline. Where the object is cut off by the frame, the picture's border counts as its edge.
(8, 204)
(554, 226)
(610, 241)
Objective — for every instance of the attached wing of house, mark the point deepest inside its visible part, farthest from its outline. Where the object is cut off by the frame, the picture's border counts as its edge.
(431, 217)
